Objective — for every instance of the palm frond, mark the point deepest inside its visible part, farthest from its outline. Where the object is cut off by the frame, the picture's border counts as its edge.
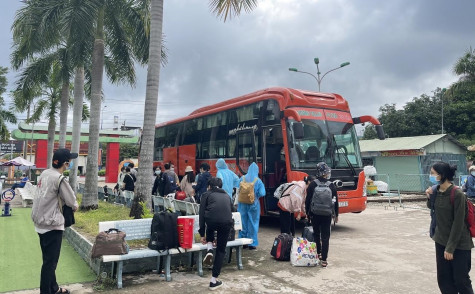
(230, 8)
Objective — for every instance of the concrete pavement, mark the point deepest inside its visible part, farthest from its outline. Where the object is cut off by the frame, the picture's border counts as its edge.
(380, 250)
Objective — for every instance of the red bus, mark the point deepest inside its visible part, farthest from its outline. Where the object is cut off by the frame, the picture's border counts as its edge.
(285, 131)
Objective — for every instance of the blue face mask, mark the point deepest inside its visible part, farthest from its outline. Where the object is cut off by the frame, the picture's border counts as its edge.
(433, 180)
(473, 173)
(71, 164)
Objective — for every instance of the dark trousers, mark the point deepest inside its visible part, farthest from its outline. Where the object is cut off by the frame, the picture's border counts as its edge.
(50, 243)
(321, 231)
(452, 275)
(287, 222)
(222, 230)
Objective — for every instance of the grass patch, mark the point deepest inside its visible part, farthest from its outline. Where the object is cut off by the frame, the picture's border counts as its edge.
(87, 222)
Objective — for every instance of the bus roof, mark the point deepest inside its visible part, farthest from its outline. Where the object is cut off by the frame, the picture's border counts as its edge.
(286, 98)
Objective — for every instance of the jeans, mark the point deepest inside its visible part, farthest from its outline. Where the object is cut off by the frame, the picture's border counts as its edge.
(50, 243)
(452, 275)
(321, 231)
(222, 230)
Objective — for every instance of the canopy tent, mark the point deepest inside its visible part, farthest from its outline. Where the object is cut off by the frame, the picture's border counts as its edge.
(18, 161)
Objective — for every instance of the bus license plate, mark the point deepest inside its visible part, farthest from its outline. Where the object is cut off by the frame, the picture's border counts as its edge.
(343, 203)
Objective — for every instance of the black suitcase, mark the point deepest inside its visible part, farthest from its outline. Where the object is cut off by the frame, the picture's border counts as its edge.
(282, 246)
(308, 233)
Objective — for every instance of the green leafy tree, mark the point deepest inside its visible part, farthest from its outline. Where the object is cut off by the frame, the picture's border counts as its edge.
(222, 8)
(369, 132)
(459, 101)
(6, 116)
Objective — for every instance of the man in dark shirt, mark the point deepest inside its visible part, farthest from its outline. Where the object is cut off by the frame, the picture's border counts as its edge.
(321, 223)
(215, 215)
(128, 186)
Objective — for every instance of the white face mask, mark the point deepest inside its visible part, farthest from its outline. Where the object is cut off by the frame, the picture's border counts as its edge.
(157, 172)
(473, 173)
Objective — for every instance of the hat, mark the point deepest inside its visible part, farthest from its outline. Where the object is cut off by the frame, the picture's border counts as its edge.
(63, 155)
(188, 169)
(471, 168)
(323, 169)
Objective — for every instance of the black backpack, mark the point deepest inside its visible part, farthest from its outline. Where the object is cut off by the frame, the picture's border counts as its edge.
(163, 232)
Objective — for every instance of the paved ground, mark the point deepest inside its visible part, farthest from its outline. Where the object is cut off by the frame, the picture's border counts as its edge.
(382, 250)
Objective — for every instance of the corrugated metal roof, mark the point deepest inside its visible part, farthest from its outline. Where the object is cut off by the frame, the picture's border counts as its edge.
(400, 143)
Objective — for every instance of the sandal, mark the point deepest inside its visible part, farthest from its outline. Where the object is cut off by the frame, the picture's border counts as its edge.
(63, 291)
(324, 263)
(320, 256)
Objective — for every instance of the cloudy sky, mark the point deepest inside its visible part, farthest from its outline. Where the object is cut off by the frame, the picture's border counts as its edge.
(397, 49)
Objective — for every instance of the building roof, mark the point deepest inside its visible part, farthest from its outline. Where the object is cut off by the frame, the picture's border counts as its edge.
(404, 143)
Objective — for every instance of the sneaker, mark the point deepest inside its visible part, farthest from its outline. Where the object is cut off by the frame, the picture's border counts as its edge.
(208, 260)
(215, 286)
(252, 247)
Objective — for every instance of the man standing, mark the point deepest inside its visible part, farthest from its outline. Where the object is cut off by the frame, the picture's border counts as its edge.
(53, 191)
(128, 186)
(215, 216)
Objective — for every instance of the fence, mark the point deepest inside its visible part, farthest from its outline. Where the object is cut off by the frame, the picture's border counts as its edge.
(404, 188)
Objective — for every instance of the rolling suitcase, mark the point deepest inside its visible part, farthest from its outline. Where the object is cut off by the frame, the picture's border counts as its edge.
(281, 247)
(308, 233)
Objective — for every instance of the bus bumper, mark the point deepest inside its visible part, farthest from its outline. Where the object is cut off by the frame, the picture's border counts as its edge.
(352, 204)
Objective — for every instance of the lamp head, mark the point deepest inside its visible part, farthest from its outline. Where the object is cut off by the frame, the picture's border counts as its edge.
(293, 69)
(344, 64)
(316, 60)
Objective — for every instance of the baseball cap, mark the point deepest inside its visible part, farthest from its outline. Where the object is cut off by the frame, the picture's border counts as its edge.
(63, 155)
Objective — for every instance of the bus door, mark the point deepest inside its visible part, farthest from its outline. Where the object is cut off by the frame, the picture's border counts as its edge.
(273, 163)
(245, 150)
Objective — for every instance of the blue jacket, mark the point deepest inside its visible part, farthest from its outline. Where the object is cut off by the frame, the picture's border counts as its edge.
(230, 179)
(202, 184)
(470, 186)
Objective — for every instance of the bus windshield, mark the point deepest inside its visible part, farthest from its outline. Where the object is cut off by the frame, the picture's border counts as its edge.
(333, 142)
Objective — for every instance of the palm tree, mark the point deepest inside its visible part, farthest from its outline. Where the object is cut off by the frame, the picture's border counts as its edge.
(222, 8)
(5, 115)
(121, 33)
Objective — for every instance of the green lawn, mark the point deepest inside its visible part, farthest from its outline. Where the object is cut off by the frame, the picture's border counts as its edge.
(20, 256)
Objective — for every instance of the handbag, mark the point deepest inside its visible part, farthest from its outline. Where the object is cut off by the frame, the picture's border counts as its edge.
(303, 253)
(110, 242)
(67, 211)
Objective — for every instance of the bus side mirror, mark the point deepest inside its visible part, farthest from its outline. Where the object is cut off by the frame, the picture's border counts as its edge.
(380, 132)
(297, 129)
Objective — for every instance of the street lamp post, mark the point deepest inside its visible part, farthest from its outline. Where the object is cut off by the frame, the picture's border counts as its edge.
(442, 99)
(318, 78)
(102, 115)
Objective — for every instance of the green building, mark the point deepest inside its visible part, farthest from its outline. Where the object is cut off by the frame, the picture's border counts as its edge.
(407, 160)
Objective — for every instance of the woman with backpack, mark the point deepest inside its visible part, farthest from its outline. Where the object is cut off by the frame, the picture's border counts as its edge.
(292, 204)
(453, 242)
(186, 184)
(319, 210)
(250, 213)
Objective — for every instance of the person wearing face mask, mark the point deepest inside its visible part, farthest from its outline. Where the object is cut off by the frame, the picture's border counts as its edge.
(322, 223)
(470, 184)
(453, 242)
(157, 171)
(52, 191)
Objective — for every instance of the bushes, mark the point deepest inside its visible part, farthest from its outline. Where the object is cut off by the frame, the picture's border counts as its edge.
(66, 173)
(101, 173)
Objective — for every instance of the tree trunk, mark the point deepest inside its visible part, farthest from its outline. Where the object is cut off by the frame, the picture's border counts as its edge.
(63, 114)
(144, 178)
(89, 199)
(77, 118)
(25, 143)
(51, 133)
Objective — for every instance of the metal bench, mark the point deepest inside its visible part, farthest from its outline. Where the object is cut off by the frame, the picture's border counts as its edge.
(27, 193)
(140, 229)
(186, 208)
